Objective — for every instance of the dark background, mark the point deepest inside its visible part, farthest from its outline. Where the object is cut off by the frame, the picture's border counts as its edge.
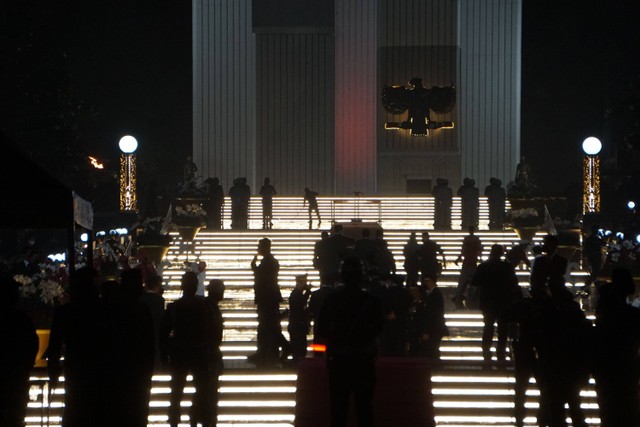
(76, 76)
(80, 75)
(580, 78)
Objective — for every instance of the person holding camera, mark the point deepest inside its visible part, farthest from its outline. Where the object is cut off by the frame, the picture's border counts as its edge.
(299, 318)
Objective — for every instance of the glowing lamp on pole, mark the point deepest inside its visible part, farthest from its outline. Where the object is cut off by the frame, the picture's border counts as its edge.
(128, 198)
(591, 182)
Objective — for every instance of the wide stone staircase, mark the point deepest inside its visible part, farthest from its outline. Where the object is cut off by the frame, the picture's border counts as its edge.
(466, 391)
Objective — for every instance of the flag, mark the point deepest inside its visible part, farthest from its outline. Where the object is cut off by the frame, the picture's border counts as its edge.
(548, 222)
(166, 224)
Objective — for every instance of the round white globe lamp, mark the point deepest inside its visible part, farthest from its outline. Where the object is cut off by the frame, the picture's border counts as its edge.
(591, 178)
(128, 144)
(591, 146)
(128, 197)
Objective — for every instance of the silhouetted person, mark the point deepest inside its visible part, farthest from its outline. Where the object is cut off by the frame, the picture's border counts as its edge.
(299, 318)
(436, 326)
(517, 255)
(522, 185)
(145, 265)
(563, 345)
(316, 301)
(189, 171)
(416, 321)
(396, 306)
(153, 299)
(323, 259)
(339, 248)
(428, 257)
(187, 340)
(427, 313)
(240, 194)
(132, 337)
(496, 198)
(525, 313)
(215, 294)
(549, 267)
(411, 263)
(77, 334)
(214, 204)
(522, 171)
(592, 250)
(470, 203)
(267, 298)
(383, 259)
(350, 323)
(311, 198)
(365, 249)
(616, 344)
(267, 191)
(497, 283)
(443, 199)
(470, 256)
(19, 349)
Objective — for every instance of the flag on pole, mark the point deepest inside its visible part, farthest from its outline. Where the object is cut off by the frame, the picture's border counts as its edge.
(166, 224)
(548, 222)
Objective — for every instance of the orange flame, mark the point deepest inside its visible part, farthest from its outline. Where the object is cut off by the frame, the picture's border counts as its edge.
(95, 163)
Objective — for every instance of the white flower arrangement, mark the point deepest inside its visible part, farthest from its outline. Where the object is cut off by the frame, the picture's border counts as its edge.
(191, 209)
(46, 286)
(28, 288)
(524, 213)
(625, 251)
(51, 291)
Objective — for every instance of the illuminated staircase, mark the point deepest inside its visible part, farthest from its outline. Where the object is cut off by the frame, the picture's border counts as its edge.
(466, 393)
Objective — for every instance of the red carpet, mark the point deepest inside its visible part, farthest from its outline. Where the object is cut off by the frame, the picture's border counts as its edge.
(403, 394)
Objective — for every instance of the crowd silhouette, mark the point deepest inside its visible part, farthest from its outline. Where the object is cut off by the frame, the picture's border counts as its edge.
(111, 335)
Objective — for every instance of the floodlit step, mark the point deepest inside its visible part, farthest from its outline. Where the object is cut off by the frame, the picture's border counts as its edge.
(467, 392)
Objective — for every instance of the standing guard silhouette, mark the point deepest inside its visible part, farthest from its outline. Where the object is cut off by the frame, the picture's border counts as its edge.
(267, 191)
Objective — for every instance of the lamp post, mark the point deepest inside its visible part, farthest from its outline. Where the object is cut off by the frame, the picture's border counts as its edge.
(128, 198)
(591, 180)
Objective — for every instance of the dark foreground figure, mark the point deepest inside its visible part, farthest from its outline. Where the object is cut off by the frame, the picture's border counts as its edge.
(74, 325)
(616, 367)
(188, 341)
(349, 324)
(20, 346)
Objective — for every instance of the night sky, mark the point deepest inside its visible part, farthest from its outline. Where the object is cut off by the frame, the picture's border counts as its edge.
(128, 65)
(580, 73)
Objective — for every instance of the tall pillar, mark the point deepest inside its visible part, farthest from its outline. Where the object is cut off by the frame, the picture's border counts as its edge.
(224, 91)
(356, 96)
(489, 88)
